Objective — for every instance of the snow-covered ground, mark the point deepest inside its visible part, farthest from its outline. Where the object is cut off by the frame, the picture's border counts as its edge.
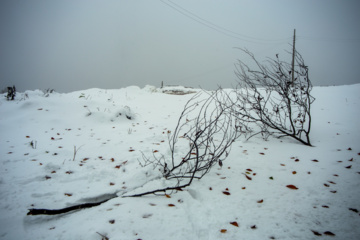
(110, 129)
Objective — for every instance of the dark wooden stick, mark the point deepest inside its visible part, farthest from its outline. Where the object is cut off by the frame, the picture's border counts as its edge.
(43, 211)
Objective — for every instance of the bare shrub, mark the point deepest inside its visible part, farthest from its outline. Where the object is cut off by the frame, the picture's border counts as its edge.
(202, 138)
(269, 101)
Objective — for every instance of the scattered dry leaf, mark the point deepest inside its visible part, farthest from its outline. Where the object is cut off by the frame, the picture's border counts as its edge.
(223, 230)
(171, 205)
(226, 193)
(260, 201)
(316, 233)
(354, 210)
(294, 172)
(234, 224)
(326, 185)
(348, 166)
(68, 194)
(112, 221)
(249, 178)
(315, 160)
(168, 196)
(253, 227)
(292, 187)
(329, 233)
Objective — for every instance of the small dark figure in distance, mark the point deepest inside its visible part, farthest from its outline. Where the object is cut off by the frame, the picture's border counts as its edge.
(11, 93)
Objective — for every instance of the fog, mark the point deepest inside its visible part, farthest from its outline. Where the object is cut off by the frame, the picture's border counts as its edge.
(72, 45)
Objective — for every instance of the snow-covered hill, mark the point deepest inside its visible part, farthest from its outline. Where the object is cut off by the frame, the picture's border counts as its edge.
(110, 129)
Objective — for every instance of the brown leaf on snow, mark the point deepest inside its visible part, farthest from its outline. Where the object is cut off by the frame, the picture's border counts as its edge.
(171, 205)
(226, 193)
(326, 185)
(315, 160)
(294, 172)
(249, 170)
(354, 210)
(68, 194)
(234, 224)
(253, 227)
(349, 149)
(168, 196)
(316, 233)
(262, 153)
(223, 230)
(329, 233)
(260, 201)
(292, 187)
(249, 178)
(331, 182)
(348, 166)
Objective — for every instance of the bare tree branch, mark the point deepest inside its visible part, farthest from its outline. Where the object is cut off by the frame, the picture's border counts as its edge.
(208, 128)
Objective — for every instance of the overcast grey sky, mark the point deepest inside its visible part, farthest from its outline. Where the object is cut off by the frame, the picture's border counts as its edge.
(72, 45)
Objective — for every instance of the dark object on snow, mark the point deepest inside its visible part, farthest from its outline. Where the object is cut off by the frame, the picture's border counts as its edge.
(11, 93)
(38, 211)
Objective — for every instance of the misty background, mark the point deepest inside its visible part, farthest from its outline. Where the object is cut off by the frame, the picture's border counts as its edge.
(72, 45)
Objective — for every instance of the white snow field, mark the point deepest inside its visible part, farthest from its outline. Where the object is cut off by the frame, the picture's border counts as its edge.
(110, 129)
